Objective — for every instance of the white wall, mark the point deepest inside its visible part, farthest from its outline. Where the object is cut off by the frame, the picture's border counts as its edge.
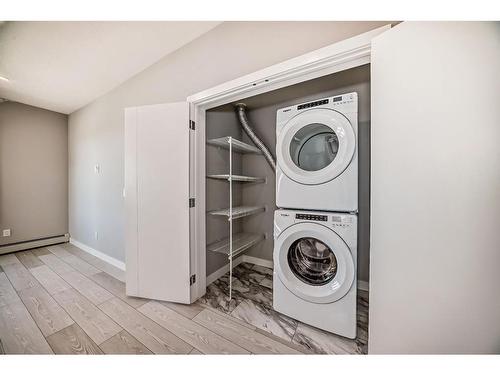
(96, 131)
(435, 246)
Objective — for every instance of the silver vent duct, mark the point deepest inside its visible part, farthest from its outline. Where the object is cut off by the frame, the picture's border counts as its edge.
(242, 116)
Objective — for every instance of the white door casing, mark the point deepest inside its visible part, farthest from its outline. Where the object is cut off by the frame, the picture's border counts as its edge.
(157, 157)
(346, 54)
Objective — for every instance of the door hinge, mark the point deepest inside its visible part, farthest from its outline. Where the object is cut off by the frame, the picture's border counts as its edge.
(191, 125)
(192, 279)
(191, 202)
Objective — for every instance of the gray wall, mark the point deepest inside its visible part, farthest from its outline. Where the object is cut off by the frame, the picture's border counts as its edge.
(96, 131)
(33, 172)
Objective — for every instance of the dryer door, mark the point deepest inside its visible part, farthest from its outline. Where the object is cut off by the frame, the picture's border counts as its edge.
(314, 263)
(315, 146)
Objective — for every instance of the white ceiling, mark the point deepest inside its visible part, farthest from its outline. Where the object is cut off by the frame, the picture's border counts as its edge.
(63, 66)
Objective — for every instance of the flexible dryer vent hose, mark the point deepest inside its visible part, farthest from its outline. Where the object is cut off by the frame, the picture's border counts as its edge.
(242, 116)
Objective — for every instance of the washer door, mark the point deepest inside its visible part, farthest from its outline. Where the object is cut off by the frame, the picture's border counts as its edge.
(315, 146)
(314, 263)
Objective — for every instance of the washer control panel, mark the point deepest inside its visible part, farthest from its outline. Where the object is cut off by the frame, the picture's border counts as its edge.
(313, 104)
(341, 221)
(311, 217)
(333, 220)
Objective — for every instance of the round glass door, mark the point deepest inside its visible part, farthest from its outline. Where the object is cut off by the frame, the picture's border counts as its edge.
(312, 261)
(314, 147)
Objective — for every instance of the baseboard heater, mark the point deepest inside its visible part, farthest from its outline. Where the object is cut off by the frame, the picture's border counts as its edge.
(24, 245)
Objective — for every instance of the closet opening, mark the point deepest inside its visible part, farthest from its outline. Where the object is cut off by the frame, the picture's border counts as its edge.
(238, 176)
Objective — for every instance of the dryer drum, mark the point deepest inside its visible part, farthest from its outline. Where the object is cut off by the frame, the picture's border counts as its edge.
(314, 147)
(312, 261)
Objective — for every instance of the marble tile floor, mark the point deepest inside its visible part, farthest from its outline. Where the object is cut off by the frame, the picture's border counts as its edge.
(252, 303)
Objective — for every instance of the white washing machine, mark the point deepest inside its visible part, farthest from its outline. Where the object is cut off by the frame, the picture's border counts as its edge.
(316, 152)
(315, 269)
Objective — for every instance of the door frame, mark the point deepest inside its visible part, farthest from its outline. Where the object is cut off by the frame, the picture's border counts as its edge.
(343, 55)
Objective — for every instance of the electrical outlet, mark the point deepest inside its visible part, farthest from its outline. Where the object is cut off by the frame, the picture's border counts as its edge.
(6, 233)
(97, 168)
(96, 235)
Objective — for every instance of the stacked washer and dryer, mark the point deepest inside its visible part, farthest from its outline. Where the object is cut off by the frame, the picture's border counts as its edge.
(315, 227)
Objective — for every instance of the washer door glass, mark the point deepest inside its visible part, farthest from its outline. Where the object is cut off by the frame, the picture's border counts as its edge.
(312, 261)
(314, 147)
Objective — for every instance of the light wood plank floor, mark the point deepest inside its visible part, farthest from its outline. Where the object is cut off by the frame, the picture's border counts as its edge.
(59, 299)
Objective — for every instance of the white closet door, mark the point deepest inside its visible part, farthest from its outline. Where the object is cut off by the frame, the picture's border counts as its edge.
(435, 189)
(157, 201)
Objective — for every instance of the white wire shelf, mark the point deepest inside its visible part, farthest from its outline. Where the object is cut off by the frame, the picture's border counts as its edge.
(241, 242)
(239, 211)
(237, 178)
(238, 146)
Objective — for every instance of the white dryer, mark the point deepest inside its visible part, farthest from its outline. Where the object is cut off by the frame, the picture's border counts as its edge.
(317, 156)
(315, 269)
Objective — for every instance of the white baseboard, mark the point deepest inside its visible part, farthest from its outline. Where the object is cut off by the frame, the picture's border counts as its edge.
(363, 285)
(258, 261)
(114, 262)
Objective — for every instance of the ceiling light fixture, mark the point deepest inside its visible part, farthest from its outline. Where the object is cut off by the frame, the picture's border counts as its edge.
(4, 79)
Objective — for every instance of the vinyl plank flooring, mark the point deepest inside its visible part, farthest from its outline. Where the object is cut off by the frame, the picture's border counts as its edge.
(93, 321)
(48, 315)
(124, 343)
(49, 279)
(20, 334)
(292, 344)
(73, 340)
(40, 251)
(7, 293)
(80, 265)
(58, 251)
(28, 259)
(96, 262)
(19, 276)
(246, 338)
(86, 287)
(150, 334)
(8, 259)
(236, 320)
(117, 287)
(56, 264)
(264, 317)
(189, 311)
(321, 342)
(196, 335)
